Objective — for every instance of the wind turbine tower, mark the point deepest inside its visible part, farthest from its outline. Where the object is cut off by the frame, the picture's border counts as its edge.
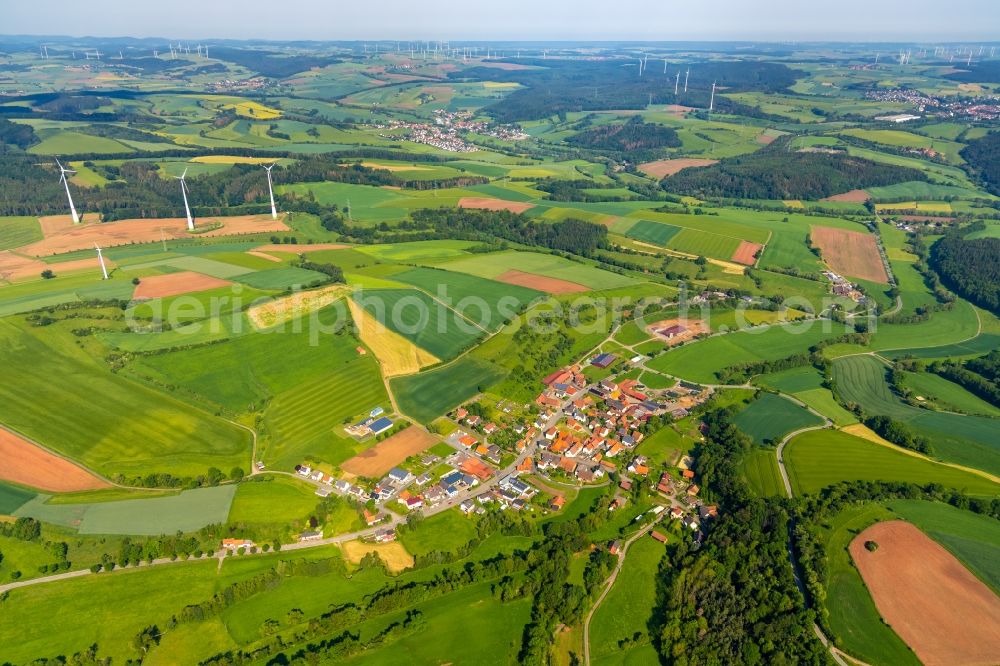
(100, 258)
(187, 208)
(686, 75)
(270, 191)
(969, 61)
(677, 82)
(62, 176)
(711, 102)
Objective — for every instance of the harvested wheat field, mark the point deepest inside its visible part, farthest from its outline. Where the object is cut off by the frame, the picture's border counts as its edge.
(850, 253)
(124, 232)
(747, 253)
(393, 553)
(385, 455)
(944, 613)
(396, 355)
(854, 196)
(173, 284)
(494, 204)
(549, 285)
(664, 168)
(30, 465)
(279, 310)
(676, 331)
(53, 224)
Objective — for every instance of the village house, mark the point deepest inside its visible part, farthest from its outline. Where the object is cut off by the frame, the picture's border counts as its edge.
(233, 545)
(310, 535)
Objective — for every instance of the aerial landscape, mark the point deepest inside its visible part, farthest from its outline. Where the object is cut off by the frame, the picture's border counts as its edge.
(326, 340)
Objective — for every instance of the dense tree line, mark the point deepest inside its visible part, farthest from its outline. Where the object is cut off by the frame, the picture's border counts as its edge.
(742, 372)
(777, 173)
(970, 268)
(898, 433)
(576, 236)
(16, 134)
(978, 376)
(734, 599)
(983, 155)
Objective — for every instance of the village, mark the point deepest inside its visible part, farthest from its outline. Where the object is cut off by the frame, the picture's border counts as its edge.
(978, 108)
(577, 433)
(448, 129)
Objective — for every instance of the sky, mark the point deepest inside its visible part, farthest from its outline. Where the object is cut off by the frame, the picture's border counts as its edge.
(661, 20)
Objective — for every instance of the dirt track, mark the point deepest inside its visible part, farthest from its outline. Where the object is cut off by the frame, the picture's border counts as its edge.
(850, 253)
(549, 285)
(494, 204)
(385, 455)
(29, 465)
(948, 616)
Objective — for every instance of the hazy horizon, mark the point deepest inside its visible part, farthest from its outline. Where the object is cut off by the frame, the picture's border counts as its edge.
(632, 20)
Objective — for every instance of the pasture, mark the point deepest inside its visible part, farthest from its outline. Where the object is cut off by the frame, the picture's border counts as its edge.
(770, 417)
(12, 498)
(652, 232)
(18, 231)
(265, 500)
(445, 532)
(821, 458)
(760, 469)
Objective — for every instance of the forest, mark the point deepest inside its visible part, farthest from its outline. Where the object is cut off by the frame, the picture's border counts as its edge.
(969, 267)
(777, 173)
(635, 137)
(984, 156)
(564, 86)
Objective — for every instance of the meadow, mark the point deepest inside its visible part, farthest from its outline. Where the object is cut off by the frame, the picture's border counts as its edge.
(498, 263)
(12, 497)
(760, 469)
(628, 608)
(821, 458)
(18, 231)
(770, 417)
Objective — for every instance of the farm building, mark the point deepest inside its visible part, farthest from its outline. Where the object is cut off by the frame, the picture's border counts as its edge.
(603, 360)
(380, 425)
(670, 332)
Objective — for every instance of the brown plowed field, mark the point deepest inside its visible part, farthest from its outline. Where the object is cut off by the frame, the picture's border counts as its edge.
(854, 196)
(53, 224)
(29, 465)
(850, 253)
(494, 204)
(172, 284)
(746, 253)
(664, 168)
(385, 455)
(549, 285)
(943, 612)
(124, 232)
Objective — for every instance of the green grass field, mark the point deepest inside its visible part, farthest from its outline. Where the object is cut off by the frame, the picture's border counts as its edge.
(652, 232)
(418, 317)
(444, 533)
(428, 395)
(704, 244)
(187, 511)
(770, 417)
(966, 440)
(105, 420)
(281, 278)
(272, 499)
(760, 469)
(485, 302)
(821, 458)
(699, 361)
(13, 497)
(18, 231)
(948, 395)
(492, 265)
(628, 608)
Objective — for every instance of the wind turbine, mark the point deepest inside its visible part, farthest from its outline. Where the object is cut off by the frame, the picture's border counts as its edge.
(100, 258)
(187, 209)
(62, 176)
(677, 82)
(270, 191)
(711, 103)
(686, 75)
